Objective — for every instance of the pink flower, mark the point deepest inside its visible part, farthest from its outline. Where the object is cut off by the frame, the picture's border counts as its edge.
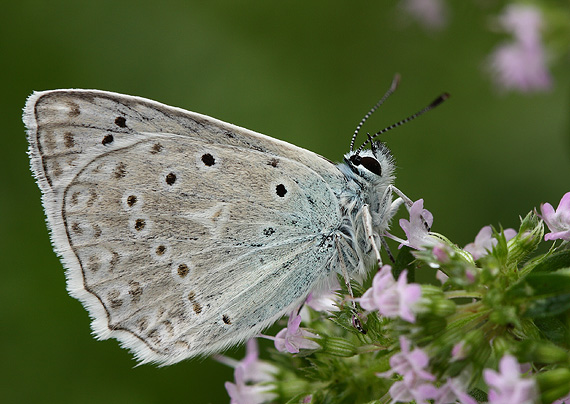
(557, 221)
(520, 67)
(242, 393)
(441, 276)
(383, 280)
(507, 386)
(521, 64)
(441, 253)
(308, 399)
(417, 382)
(325, 301)
(484, 242)
(416, 231)
(254, 370)
(452, 391)
(523, 21)
(392, 299)
(401, 391)
(410, 364)
(432, 14)
(458, 352)
(293, 338)
(247, 374)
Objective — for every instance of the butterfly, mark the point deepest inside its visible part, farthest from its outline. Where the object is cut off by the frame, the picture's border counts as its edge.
(183, 235)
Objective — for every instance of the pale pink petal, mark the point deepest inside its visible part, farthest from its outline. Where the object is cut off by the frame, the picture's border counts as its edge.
(293, 338)
(392, 299)
(558, 221)
(452, 391)
(242, 393)
(432, 14)
(507, 385)
(417, 233)
(325, 301)
(510, 234)
(521, 64)
(253, 369)
(441, 276)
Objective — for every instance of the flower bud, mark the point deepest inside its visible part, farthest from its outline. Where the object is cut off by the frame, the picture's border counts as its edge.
(501, 346)
(442, 307)
(529, 236)
(553, 384)
(291, 387)
(542, 352)
(337, 347)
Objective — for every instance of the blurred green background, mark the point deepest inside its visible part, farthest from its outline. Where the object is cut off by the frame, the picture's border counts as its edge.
(304, 72)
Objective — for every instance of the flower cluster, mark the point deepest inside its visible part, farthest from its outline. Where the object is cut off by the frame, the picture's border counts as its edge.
(390, 298)
(251, 376)
(496, 330)
(537, 33)
(521, 63)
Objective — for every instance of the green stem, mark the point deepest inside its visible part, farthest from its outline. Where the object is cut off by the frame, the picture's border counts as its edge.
(468, 310)
(456, 294)
(370, 348)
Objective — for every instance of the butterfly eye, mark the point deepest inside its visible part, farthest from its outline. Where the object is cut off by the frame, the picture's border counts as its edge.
(356, 159)
(371, 165)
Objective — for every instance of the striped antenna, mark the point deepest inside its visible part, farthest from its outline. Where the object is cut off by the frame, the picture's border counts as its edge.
(433, 104)
(393, 86)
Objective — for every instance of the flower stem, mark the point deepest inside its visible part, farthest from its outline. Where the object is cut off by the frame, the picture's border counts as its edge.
(462, 293)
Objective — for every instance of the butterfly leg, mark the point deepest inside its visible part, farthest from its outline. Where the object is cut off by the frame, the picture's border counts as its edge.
(355, 318)
(387, 249)
(367, 220)
(405, 199)
(402, 198)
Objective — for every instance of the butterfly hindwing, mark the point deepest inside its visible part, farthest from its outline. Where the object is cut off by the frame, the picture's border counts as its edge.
(180, 233)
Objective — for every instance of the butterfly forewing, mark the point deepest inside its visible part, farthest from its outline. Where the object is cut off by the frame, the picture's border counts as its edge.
(181, 234)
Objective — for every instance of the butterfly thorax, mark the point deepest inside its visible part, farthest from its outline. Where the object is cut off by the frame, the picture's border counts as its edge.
(369, 175)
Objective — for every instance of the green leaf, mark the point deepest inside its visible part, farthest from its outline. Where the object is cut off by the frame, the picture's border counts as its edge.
(404, 260)
(553, 329)
(553, 262)
(479, 395)
(541, 294)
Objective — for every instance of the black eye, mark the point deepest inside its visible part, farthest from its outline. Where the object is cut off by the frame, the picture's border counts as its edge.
(371, 165)
(355, 159)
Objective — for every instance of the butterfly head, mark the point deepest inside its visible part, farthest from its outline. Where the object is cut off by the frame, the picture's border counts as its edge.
(374, 165)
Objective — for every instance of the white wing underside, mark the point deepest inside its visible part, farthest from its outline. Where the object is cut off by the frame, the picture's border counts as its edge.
(181, 234)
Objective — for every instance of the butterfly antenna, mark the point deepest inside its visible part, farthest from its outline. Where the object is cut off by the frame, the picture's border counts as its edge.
(431, 106)
(372, 145)
(393, 86)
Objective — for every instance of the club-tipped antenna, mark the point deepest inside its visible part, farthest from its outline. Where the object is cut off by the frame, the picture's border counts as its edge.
(393, 86)
(431, 106)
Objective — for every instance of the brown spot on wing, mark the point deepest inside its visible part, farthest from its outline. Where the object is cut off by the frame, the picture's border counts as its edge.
(68, 140)
(120, 170)
(74, 110)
